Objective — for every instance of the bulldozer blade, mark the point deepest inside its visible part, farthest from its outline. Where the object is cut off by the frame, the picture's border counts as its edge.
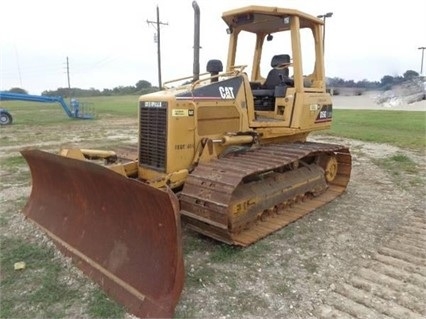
(122, 233)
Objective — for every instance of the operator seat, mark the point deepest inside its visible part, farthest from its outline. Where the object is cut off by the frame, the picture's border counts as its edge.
(275, 84)
(279, 75)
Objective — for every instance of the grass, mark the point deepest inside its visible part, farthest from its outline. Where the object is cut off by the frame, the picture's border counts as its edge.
(37, 286)
(398, 165)
(100, 306)
(12, 162)
(24, 112)
(400, 161)
(14, 171)
(398, 128)
(224, 253)
(126, 105)
(35, 112)
(40, 290)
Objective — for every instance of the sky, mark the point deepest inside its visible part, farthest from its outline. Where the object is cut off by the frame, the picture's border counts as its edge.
(110, 43)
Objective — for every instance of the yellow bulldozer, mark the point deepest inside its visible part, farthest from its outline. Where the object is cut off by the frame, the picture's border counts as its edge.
(225, 151)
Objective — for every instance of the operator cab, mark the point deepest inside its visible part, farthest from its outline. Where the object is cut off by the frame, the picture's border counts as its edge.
(286, 60)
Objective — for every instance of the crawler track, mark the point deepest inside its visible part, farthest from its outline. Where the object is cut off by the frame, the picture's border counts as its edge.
(241, 198)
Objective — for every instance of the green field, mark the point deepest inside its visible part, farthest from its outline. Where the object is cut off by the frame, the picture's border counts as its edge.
(399, 128)
(47, 113)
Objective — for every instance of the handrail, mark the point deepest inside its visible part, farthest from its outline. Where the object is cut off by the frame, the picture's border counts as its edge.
(235, 70)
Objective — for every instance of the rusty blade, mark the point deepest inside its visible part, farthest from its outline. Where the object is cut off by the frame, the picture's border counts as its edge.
(123, 234)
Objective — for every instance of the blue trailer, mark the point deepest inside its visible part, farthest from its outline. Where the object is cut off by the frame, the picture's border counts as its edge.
(73, 111)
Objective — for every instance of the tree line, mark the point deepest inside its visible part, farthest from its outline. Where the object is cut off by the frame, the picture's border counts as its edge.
(385, 83)
(144, 87)
(141, 87)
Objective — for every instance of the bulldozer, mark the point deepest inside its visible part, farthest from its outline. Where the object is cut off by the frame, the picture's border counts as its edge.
(226, 152)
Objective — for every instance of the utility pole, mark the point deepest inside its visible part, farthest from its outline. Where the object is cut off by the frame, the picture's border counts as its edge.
(156, 25)
(324, 17)
(68, 76)
(421, 64)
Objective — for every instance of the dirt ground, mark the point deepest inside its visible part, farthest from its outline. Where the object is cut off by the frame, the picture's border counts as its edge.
(361, 256)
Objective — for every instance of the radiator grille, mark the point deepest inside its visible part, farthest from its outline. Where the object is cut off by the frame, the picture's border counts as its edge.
(153, 136)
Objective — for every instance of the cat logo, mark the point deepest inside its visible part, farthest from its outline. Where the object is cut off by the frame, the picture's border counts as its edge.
(226, 92)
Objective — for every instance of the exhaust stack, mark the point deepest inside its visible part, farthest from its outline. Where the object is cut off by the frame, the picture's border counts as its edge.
(196, 67)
